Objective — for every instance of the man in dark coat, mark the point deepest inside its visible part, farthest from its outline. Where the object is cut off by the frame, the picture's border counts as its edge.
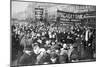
(28, 58)
(28, 54)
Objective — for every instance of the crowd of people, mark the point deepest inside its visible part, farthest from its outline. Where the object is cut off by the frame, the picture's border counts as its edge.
(47, 44)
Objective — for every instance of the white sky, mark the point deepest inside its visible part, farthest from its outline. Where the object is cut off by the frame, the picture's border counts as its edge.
(17, 7)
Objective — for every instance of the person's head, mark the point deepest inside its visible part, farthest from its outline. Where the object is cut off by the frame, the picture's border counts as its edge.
(64, 45)
(48, 51)
(28, 35)
(36, 49)
(40, 41)
(53, 54)
(43, 33)
(71, 46)
(47, 41)
(57, 51)
(53, 43)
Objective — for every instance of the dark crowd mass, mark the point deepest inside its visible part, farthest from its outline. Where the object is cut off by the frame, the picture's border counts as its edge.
(36, 44)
